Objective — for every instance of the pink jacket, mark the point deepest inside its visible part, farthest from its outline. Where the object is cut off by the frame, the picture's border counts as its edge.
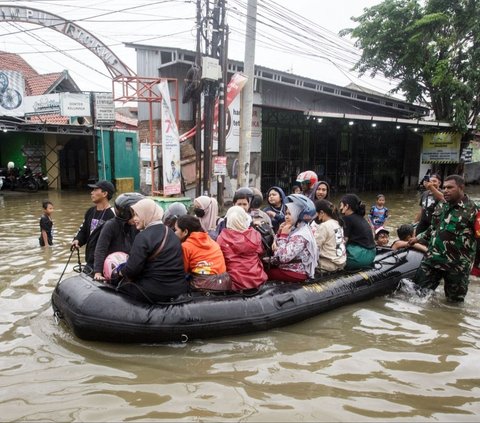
(242, 256)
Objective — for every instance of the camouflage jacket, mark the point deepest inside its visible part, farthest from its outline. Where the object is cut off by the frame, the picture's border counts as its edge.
(451, 236)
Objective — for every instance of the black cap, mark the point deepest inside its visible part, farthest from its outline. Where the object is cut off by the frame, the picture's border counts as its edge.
(105, 186)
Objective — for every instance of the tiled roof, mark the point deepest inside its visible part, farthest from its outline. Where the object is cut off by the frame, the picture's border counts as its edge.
(35, 84)
(40, 84)
(14, 62)
(52, 119)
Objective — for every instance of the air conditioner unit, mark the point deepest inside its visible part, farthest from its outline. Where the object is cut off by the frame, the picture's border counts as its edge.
(80, 120)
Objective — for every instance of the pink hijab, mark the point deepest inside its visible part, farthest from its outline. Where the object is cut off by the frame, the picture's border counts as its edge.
(210, 206)
(149, 212)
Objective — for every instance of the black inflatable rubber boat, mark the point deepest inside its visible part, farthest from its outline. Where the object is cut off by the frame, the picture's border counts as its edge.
(96, 312)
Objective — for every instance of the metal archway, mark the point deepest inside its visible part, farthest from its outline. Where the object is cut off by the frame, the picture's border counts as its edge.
(48, 20)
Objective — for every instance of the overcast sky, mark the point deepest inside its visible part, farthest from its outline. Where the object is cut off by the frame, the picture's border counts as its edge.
(172, 23)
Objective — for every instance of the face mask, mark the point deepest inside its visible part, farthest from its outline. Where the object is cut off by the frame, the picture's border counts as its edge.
(199, 212)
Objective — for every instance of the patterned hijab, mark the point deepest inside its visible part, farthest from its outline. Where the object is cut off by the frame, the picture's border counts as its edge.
(148, 212)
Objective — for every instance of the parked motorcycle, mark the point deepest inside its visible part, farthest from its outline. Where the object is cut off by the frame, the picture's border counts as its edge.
(26, 181)
(42, 180)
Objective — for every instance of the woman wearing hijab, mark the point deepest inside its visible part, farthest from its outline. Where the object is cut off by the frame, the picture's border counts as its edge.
(242, 247)
(295, 249)
(206, 209)
(320, 191)
(154, 269)
(358, 234)
(329, 237)
(276, 207)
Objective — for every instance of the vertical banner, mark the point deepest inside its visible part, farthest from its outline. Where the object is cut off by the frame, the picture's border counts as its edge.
(170, 145)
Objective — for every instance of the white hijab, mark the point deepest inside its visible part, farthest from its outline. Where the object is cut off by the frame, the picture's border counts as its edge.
(237, 219)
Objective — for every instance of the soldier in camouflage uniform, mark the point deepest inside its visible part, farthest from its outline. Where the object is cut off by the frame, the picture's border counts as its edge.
(451, 242)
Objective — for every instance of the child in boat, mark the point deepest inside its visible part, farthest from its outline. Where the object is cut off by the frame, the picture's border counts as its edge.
(295, 249)
(276, 206)
(405, 233)
(378, 213)
(202, 256)
(358, 234)
(46, 225)
(381, 237)
(242, 248)
(173, 212)
(154, 269)
(242, 198)
(329, 237)
(117, 234)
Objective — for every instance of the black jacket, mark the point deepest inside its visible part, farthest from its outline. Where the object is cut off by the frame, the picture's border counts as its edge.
(164, 276)
(116, 235)
(88, 237)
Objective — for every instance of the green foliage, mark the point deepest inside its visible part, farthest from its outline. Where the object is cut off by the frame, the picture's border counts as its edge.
(432, 47)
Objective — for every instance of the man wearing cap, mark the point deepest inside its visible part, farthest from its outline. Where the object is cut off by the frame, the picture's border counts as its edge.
(94, 219)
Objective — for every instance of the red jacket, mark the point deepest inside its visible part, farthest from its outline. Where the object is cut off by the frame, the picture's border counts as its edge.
(242, 256)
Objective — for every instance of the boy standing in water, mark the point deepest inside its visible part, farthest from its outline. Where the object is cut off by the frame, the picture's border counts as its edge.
(46, 224)
(378, 213)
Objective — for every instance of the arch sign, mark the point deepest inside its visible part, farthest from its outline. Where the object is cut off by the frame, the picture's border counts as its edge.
(48, 20)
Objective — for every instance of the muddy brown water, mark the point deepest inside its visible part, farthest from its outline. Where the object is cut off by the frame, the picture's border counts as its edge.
(394, 358)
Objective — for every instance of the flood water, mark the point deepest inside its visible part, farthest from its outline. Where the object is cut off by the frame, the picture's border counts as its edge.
(395, 358)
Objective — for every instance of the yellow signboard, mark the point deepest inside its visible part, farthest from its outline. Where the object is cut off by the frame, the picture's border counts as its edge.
(443, 147)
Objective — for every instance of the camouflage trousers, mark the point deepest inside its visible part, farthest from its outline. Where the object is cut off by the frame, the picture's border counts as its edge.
(455, 284)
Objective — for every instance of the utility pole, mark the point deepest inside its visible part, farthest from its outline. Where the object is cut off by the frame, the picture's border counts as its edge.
(221, 100)
(198, 108)
(246, 109)
(209, 93)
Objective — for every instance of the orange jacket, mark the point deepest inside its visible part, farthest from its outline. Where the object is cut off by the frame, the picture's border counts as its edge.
(202, 255)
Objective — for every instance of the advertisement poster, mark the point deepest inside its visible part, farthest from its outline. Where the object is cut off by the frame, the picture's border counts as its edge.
(172, 179)
(12, 89)
(443, 147)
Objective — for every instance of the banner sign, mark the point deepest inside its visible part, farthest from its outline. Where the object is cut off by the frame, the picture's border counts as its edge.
(474, 146)
(42, 104)
(75, 104)
(12, 89)
(172, 183)
(443, 147)
(233, 128)
(236, 84)
(220, 165)
(104, 109)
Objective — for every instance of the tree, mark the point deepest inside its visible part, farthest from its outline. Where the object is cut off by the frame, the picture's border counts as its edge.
(432, 47)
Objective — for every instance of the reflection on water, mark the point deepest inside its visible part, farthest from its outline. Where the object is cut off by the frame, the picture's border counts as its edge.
(400, 357)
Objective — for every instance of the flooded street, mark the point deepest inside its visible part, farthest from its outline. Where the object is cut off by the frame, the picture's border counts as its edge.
(396, 358)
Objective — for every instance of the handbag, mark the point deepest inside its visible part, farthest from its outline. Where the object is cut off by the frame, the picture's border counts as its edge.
(220, 282)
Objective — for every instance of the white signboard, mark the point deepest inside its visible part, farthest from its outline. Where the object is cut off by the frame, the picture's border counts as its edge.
(172, 178)
(75, 104)
(42, 104)
(12, 89)
(233, 128)
(104, 109)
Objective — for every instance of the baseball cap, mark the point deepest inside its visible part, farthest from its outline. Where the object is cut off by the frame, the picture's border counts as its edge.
(381, 229)
(106, 186)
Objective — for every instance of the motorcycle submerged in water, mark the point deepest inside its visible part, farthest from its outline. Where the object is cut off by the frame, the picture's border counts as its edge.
(27, 181)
